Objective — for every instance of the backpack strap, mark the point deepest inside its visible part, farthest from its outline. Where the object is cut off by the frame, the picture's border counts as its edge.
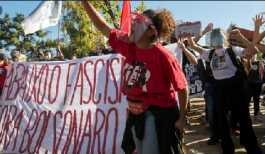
(237, 62)
(211, 54)
(232, 56)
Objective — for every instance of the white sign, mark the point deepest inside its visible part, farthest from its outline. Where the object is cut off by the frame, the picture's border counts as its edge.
(189, 28)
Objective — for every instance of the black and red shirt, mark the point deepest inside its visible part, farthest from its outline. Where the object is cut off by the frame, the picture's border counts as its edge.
(151, 75)
(3, 72)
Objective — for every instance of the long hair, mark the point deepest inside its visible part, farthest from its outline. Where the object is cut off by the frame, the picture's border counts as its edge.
(163, 22)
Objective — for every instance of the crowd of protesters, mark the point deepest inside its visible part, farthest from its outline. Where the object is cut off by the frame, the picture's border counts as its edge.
(158, 95)
(232, 76)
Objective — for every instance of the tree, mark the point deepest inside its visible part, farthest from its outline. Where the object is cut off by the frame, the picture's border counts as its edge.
(80, 36)
(12, 36)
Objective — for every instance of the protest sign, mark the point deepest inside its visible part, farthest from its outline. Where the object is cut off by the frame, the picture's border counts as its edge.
(188, 28)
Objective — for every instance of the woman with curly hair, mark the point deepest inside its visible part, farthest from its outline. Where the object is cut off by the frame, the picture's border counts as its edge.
(152, 76)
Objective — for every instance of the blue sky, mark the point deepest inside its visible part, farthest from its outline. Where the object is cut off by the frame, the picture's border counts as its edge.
(221, 13)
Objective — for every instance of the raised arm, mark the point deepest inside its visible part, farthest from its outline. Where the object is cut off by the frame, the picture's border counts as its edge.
(240, 39)
(191, 58)
(257, 37)
(60, 53)
(207, 29)
(262, 35)
(194, 46)
(250, 47)
(261, 47)
(247, 64)
(95, 17)
(258, 21)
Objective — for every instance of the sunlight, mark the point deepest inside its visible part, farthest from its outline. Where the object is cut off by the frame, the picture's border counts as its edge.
(197, 141)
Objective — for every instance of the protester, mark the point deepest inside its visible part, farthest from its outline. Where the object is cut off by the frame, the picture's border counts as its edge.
(186, 56)
(258, 37)
(59, 54)
(152, 78)
(209, 87)
(254, 68)
(255, 81)
(46, 55)
(15, 55)
(231, 90)
(3, 70)
(182, 52)
(73, 57)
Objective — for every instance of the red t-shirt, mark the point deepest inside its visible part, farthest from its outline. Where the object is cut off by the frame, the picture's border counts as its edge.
(150, 75)
(3, 72)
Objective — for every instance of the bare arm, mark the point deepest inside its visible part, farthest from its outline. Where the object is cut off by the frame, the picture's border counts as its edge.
(194, 46)
(257, 37)
(246, 64)
(258, 22)
(251, 48)
(95, 17)
(262, 36)
(60, 53)
(261, 47)
(191, 58)
(183, 101)
(207, 29)
(240, 39)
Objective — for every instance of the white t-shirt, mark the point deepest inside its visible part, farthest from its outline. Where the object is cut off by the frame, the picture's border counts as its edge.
(221, 63)
(176, 51)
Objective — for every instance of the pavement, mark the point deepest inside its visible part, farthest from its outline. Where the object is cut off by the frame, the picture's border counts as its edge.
(197, 131)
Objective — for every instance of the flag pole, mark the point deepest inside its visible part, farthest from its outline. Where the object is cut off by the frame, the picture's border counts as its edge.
(58, 37)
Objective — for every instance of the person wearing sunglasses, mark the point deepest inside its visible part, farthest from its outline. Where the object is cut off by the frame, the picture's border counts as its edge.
(152, 79)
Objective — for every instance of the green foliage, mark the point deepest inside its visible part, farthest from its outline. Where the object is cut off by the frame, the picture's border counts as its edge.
(141, 7)
(80, 36)
(12, 36)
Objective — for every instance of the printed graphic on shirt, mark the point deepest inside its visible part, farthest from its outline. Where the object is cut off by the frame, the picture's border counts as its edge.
(218, 62)
(136, 75)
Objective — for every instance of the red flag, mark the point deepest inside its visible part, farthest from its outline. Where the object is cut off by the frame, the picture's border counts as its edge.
(125, 22)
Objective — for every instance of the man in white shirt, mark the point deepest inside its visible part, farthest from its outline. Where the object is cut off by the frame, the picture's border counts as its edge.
(230, 90)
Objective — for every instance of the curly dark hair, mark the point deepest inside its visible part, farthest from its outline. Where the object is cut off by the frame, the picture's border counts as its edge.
(163, 22)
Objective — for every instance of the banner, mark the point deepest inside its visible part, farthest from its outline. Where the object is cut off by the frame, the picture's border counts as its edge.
(45, 15)
(63, 107)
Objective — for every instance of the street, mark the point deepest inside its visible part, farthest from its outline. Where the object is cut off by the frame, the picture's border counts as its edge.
(197, 133)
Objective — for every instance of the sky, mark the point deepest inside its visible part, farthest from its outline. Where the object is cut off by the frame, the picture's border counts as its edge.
(220, 13)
